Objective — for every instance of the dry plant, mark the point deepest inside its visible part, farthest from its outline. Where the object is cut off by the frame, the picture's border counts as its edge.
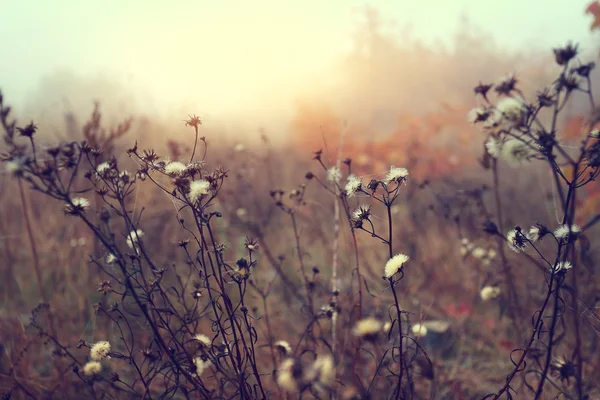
(204, 321)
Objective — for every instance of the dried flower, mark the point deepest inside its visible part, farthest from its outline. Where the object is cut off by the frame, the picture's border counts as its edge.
(396, 174)
(515, 151)
(100, 351)
(563, 232)
(362, 213)
(110, 258)
(563, 55)
(512, 112)
(494, 146)
(193, 121)
(175, 168)
(198, 189)
(479, 252)
(283, 347)
(334, 174)
(564, 368)
(203, 339)
(516, 240)
(563, 266)
(322, 372)
(102, 169)
(79, 205)
(14, 167)
(289, 374)
(394, 264)
(354, 183)
(419, 330)
(134, 237)
(489, 292)
(506, 84)
(368, 328)
(201, 364)
(479, 114)
(92, 368)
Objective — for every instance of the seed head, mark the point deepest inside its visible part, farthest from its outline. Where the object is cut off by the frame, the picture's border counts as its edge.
(489, 292)
(92, 368)
(419, 330)
(198, 189)
(100, 351)
(353, 185)
(516, 240)
(368, 328)
(283, 347)
(396, 174)
(394, 264)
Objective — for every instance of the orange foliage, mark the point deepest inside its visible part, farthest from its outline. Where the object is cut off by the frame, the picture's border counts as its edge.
(431, 145)
(594, 9)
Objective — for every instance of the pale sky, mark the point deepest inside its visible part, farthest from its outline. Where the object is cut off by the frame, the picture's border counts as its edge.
(218, 55)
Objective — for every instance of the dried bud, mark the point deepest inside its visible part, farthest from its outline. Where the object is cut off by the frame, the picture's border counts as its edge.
(490, 227)
(565, 54)
(28, 131)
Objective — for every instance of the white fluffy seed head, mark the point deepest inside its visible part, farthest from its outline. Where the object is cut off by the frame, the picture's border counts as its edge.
(100, 350)
(489, 292)
(198, 189)
(394, 264)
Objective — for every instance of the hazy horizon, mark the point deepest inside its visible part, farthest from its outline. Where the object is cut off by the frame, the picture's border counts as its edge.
(237, 58)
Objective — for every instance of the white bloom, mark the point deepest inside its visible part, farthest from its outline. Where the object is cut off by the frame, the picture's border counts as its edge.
(205, 340)
(198, 189)
(563, 266)
(478, 114)
(395, 174)
(367, 328)
(133, 238)
(175, 168)
(92, 368)
(494, 147)
(111, 258)
(323, 371)
(201, 365)
(479, 252)
(361, 213)
(13, 167)
(563, 231)
(419, 330)
(102, 168)
(387, 326)
(515, 151)
(80, 204)
(594, 133)
(512, 110)
(516, 241)
(289, 369)
(334, 174)
(394, 264)
(353, 184)
(100, 350)
(489, 292)
(534, 233)
(284, 347)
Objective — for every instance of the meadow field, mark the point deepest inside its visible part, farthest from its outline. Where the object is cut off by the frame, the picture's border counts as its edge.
(433, 241)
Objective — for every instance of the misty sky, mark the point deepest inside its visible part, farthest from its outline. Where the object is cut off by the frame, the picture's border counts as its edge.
(219, 55)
